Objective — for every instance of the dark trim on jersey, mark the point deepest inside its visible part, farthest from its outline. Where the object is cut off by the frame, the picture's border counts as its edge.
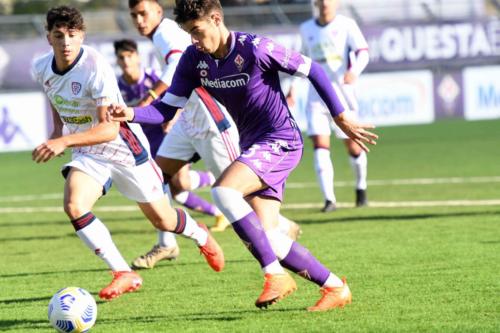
(152, 33)
(136, 148)
(170, 53)
(105, 188)
(359, 50)
(54, 66)
(214, 109)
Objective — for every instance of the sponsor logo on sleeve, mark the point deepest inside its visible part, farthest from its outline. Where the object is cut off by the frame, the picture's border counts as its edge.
(270, 47)
(256, 42)
(242, 39)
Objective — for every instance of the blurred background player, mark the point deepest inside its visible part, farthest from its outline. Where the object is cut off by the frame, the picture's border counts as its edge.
(204, 129)
(336, 42)
(134, 84)
(80, 86)
(242, 71)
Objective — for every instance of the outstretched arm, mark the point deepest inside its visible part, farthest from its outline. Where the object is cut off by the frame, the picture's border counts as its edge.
(155, 113)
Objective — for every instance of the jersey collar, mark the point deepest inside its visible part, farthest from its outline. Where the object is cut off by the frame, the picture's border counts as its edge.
(70, 67)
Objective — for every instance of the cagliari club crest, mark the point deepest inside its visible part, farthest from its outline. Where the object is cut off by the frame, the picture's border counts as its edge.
(76, 87)
(239, 62)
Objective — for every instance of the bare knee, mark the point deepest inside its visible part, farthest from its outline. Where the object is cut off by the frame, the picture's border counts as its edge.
(179, 183)
(353, 148)
(162, 219)
(74, 209)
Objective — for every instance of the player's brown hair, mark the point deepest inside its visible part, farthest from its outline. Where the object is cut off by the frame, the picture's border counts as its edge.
(133, 3)
(125, 45)
(64, 16)
(187, 10)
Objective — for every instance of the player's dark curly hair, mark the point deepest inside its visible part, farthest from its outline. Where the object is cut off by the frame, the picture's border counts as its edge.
(125, 45)
(187, 10)
(64, 16)
(133, 3)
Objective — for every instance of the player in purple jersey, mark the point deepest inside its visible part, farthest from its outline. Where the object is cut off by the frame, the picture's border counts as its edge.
(134, 84)
(241, 71)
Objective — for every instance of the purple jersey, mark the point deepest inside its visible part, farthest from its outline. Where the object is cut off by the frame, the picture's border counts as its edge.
(133, 94)
(247, 83)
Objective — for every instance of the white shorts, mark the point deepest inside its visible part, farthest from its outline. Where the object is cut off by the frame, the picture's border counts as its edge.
(217, 150)
(141, 183)
(319, 119)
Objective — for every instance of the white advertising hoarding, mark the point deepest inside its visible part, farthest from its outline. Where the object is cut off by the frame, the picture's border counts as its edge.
(397, 98)
(23, 121)
(481, 92)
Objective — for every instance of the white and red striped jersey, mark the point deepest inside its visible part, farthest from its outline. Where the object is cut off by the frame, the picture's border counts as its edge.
(332, 44)
(201, 115)
(170, 41)
(77, 92)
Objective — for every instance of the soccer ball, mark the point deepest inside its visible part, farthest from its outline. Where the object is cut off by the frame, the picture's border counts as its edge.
(72, 310)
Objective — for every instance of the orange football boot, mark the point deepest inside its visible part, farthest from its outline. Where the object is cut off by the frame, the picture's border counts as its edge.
(212, 251)
(331, 298)
(123, 282)
(276, 287)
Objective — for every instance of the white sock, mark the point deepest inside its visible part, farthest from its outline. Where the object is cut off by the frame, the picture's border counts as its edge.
(195, 179)
(333, 281)
(231, 203)
(283, 224)
(181, 197)
(360, 166)
(280, 243)
(324, 172)
(97, 238)
(273, 268)
(166, 239)
(192, 230)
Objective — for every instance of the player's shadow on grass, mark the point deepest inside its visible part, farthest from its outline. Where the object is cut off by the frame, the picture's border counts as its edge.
(23, 323)
(392, 218)
(110, 219)
(45, 299)
(32, 238)
(221, 316)
(72, 234)
(15, 275)
(32, 224)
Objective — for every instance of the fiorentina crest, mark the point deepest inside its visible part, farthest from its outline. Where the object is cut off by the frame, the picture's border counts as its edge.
(239, 62)
(76, 87)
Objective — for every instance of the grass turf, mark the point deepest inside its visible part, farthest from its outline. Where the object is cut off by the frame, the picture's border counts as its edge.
(420, 269)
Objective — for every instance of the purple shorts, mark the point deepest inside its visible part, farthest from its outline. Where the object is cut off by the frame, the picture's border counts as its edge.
(272, 161)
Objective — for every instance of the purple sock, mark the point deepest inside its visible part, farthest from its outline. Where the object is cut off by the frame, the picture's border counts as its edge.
(302, 262)
(205, 179)
(255, 239)
(199, 204)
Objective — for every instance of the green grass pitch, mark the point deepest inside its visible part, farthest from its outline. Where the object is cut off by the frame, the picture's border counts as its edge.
(425, 257)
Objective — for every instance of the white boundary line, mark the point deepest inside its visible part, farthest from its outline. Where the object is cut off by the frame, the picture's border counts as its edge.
(382, 182)
(308, 205)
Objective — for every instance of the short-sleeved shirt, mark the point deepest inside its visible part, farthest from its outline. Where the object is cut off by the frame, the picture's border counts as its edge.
(247, 83)
(77, 92)
(330, 45)
(198, 119)
(169, 41)
(133, 94)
